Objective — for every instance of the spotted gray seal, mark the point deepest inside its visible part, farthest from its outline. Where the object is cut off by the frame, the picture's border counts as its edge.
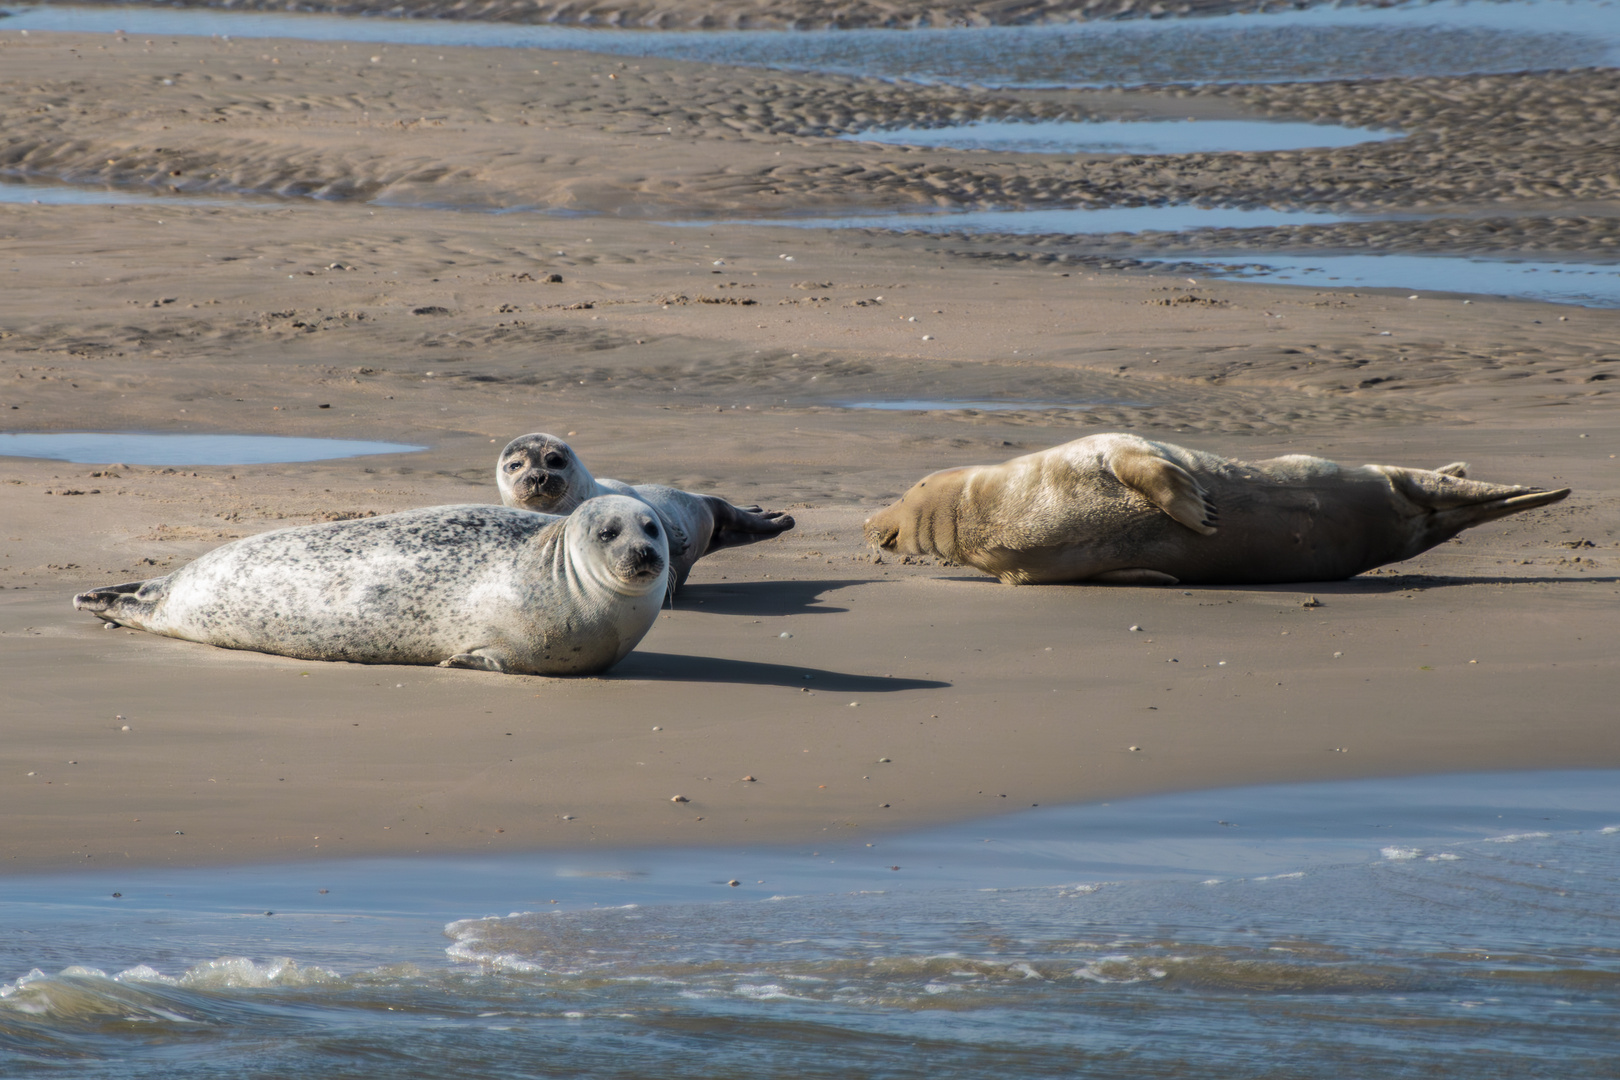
(541, 472)
(1120, 508)
(459, 586)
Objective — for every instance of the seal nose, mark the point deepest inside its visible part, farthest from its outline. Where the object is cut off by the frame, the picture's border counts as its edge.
(646, 559)
(882, 534)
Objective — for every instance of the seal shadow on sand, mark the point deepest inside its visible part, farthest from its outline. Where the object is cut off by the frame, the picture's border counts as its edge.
(763, 597)
(1382, 583)
(1390, 583)
(676, 667)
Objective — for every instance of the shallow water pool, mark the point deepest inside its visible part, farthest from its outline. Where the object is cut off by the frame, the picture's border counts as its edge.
(1129, 136)
(1459, 925)
(940, 405)
(1110, 219)
(19, 190)
(1585, 284)
(140, 448)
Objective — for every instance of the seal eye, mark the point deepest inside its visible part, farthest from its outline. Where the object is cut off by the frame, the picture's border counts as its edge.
(555, 460)
(513, 466)
(609, 534)
(650, 529)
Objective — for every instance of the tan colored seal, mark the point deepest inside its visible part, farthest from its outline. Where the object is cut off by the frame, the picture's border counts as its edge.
(541, 472)
(1123, 509)
(459, 586)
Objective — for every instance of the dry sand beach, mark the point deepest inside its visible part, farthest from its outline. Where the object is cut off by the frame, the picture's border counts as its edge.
(801, 687)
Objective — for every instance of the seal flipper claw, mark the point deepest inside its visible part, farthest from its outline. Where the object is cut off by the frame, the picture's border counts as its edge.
(1164, 484)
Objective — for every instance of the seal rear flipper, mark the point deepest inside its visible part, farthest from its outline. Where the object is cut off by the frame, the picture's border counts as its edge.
(1452, 521)
(735, 526)
(1442, 489)
(1166, 485)
(128, 604)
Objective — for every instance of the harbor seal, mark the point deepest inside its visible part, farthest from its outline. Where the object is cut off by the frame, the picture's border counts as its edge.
(541, 472)
(1123, 509)
(458, 586)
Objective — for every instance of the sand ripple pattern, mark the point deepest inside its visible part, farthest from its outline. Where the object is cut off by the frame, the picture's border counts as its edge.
(593, 134)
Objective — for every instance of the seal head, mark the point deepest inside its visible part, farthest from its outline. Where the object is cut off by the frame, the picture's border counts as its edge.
(540, 472)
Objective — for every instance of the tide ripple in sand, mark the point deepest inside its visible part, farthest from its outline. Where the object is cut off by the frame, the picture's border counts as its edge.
(214, 116)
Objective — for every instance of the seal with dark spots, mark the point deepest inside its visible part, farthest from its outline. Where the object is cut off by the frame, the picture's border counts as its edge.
(541, 472)
(1124, 509)
(459, 586)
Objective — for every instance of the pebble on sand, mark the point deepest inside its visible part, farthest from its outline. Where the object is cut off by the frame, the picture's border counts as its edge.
(680, 798)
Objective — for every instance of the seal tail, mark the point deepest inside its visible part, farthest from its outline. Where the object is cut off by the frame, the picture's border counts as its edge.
(735, 526)
(129, 604)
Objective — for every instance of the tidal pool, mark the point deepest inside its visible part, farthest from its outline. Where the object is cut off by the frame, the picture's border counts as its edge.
(1586, 284)
(1110, 219)
(1128, 136)
(931, 405)
(23, 190)
(139, 448)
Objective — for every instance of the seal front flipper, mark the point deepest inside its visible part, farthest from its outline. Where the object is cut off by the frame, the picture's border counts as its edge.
(477, 661)
(1164, 484)
(675, 536)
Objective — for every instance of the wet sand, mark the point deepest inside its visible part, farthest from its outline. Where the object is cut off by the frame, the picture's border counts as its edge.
(765, 15)
(701, 356)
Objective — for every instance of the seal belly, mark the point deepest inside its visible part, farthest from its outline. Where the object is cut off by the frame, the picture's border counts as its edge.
(1280, 530)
